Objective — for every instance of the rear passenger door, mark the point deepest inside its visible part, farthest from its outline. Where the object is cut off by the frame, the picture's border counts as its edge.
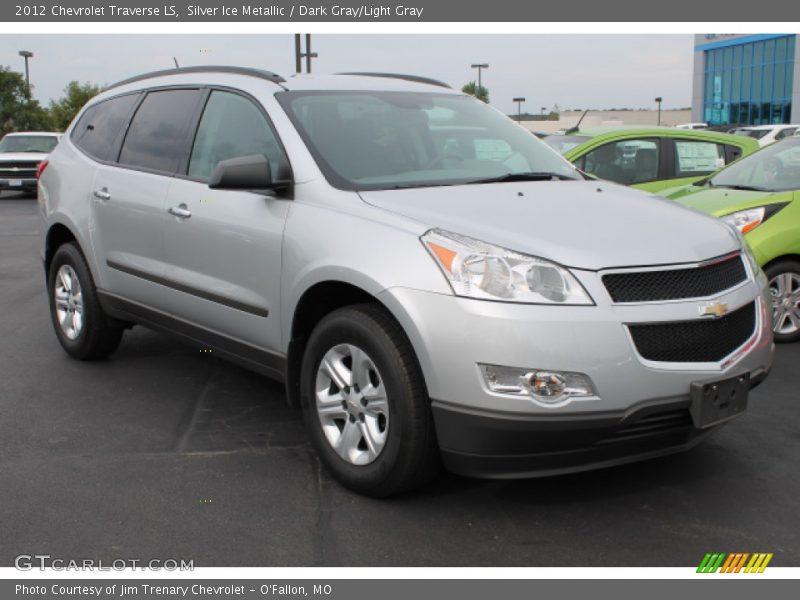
(691, 160)
(130, 189)
(223, 247)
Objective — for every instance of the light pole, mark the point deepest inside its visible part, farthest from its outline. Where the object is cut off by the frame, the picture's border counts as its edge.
(519, 102)
(658, 101)
(544, 108)
(480, 67)
(26, 55)
(299, 54)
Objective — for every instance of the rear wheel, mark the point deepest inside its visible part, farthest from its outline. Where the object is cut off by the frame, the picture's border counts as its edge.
(82, 328)
(365, 405)
(784, 286)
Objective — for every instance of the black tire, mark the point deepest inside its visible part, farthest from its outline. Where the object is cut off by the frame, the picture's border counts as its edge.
(410, 456)
(780, 267)
(99, 336)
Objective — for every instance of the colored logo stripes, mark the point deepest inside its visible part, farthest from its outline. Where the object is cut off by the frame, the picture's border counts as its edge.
(735, 562)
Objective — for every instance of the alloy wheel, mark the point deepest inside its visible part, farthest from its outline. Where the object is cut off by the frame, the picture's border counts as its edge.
(351, 404)
(785, 290)
(69, 302)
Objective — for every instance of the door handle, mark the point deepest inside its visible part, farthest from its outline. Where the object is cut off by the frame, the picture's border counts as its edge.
(102, 194)
(180, 211)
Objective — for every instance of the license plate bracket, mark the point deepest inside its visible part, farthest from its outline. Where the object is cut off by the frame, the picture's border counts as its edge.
(717, 401)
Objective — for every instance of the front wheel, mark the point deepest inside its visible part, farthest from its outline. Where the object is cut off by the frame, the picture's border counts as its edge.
(784, 287)
(365, 405)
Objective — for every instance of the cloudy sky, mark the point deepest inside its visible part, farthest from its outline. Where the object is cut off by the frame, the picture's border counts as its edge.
(573, 71)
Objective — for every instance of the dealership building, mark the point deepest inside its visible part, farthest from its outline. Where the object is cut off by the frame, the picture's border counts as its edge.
(748, 79)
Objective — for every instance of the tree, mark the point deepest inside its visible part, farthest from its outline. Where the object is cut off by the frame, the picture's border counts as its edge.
(17, 111)
(481, 93)
(76, 94)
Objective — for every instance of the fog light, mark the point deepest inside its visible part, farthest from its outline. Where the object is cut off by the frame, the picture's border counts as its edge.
(544, 384)
(545, 387)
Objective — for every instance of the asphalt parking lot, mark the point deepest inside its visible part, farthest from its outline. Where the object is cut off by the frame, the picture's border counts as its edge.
(165, 452)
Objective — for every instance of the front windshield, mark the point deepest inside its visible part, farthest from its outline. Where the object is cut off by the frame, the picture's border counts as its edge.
(775, 168)
(384, 140)
(565, 143)
(28, 143)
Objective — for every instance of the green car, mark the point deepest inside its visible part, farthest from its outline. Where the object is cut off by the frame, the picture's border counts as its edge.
(760, 196)
(650, 158)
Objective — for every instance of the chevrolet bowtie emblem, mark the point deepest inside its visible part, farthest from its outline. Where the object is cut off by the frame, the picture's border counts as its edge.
(716, 309)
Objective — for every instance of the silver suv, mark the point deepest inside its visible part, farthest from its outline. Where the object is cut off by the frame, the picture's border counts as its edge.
(432, 283)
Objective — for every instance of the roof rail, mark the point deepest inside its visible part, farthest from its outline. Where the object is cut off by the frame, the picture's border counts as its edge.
(414, 78)
(261, 74)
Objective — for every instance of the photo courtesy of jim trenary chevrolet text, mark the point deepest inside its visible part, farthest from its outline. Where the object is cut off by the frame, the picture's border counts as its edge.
(432, 299)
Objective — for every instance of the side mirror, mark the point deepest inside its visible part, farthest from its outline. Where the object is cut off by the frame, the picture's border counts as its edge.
(251, 172)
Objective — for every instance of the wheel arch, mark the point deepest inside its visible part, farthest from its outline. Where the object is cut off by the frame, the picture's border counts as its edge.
(58, 234)
(780, 258)
(317, 301)
(62, 230)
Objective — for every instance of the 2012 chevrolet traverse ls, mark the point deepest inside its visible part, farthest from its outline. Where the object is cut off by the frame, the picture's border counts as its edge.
(432, 283)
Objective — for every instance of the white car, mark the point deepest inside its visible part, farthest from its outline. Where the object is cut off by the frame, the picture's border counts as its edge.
(692, 126)
(766, 134)
(20, 155)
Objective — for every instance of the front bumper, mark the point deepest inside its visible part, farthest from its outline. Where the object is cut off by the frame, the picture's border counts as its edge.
(498, 445)
(641, 409)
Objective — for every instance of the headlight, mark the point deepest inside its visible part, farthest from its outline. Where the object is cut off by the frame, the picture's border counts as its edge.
(476, 269)
(747, 220)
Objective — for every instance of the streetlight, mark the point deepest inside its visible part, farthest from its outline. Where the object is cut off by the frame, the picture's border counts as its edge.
(299, 54)
(26, 55)
(480, 67)
(658, 100)
(544, 108)
(519, 102)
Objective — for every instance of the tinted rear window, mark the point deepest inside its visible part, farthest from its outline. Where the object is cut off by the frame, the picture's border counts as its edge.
(753, 133)
(157, 137)
(98, 130)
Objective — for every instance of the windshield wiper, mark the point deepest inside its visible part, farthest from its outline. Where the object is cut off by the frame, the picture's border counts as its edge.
(748, 188)
(529, 176)
(407, 186)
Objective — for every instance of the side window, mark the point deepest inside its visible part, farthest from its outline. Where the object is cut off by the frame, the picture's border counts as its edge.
(695, 158)
(231, 126)
(157, 136)
(627, 162)
(97, 131)
(786, 131)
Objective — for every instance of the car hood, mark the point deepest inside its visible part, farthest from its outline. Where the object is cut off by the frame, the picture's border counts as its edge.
(581, 224)
(720, 201)
(22, 156)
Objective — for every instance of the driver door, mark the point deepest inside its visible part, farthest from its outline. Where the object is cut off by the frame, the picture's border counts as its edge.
(223, 248)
